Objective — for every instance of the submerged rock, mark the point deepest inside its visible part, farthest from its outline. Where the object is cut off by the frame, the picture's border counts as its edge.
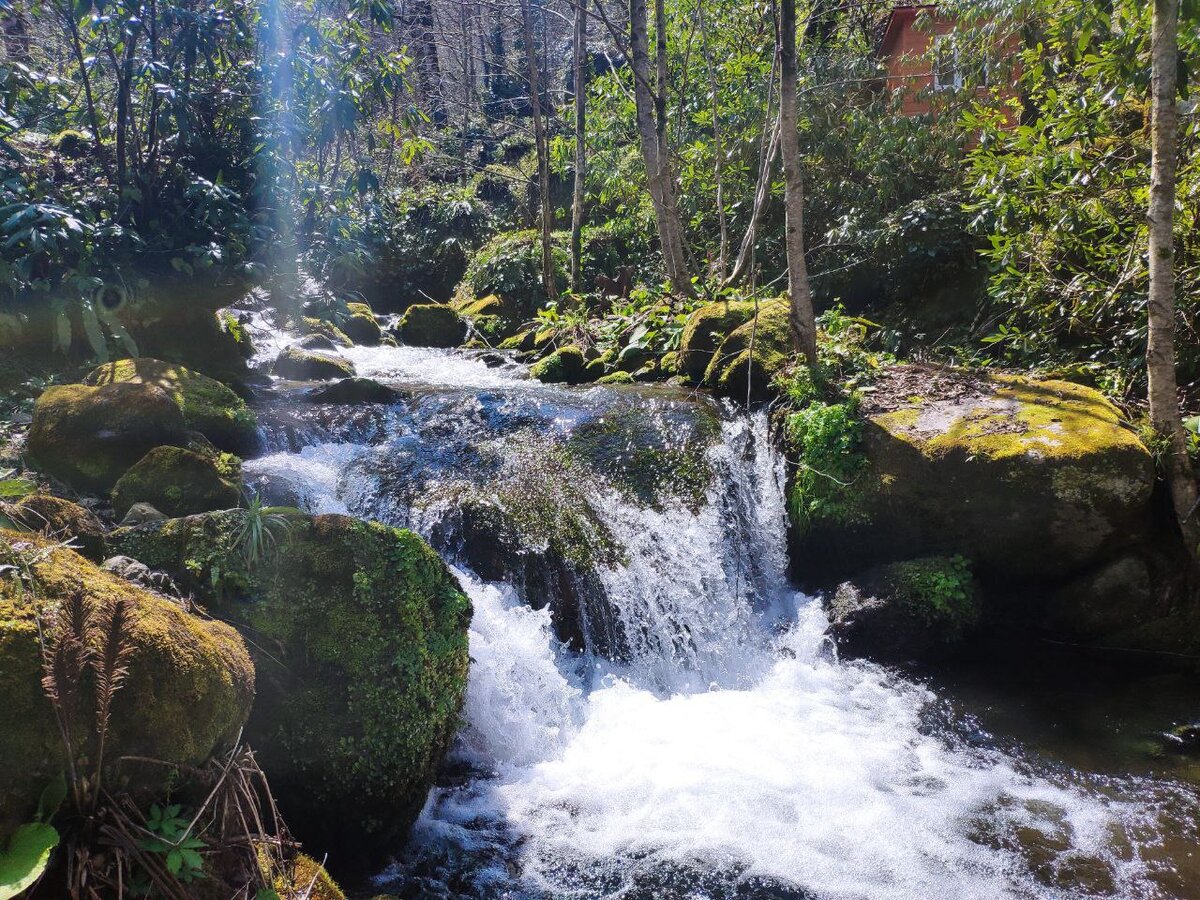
(60, 520)
(431, 325)
(208, 406)
(1027, 479)
(186, 696)
(306, 365)
(179, 482)
(88, 436)
(361, 646)
(918, 609)
(350, 391)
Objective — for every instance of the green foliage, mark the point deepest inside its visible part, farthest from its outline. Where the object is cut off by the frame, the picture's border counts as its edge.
(258, 535)
(26, 857)
(825, 440)
(174, 842)
(941, 590)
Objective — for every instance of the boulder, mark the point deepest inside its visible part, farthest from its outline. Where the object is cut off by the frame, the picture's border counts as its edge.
(88, 436)
(353, 391)
(752, 355)
(60, 520)
(566, 364)
(919, 609)
(307, 365)
(208, 406)
(316, 342)
(326, 329)
(141, 513)
(179, 482)
(361, 637)
(1027, 479)
(187, 694)
(361, 326)
(431, 325)
(142, 575)
(704, 331)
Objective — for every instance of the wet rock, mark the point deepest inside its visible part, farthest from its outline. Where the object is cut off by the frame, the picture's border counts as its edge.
(142, 575)
(431, 325)
(208, 406)
(179, 482)
(918, 609)
(566, 365)
(706, 328)
(316, 342)
(1182, 739)
(351, 391)
(361, 648)
(1027, 479)
(140, 514)
(59, 520)
(88, 436)
(187, 694)
(1103, 602)
(361, 327)
(307, 365)
(326, 329)
(752, 355)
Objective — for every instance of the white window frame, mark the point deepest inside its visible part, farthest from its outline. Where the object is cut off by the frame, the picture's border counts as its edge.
(944, 80)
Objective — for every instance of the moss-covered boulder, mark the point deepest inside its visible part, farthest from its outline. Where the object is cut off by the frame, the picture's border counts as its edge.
(88, 436)
(704, 331)
(208, 406)
(431, 325)
(296, 364)
(59, 519)
(326, 329)
(179, 482)
(353, 391)
(565, 365)
(1027, 479)
(307, 878)
(747, 361)
(509, 266)
(361, 637)
(361, 326)
(187, 694)
(920, 609)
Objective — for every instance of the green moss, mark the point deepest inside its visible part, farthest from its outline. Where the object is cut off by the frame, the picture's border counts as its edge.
(362, 649)
(360, 326)
(306, 365)
(510, 266)
(615, 378)
(522, 341)
(208, 406)
(432, 325)
(706, 328)
(16, 488)
(941, 591)
(753, 354)
(305, 877)
(59, 519)
(566, 364)
(179, 482)
(88, 436)
(187, 694)
(326, 329)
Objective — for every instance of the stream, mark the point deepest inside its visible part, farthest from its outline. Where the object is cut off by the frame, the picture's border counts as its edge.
(653, 711)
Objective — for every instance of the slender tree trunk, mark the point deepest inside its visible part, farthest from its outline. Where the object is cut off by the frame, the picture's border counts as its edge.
(543, 152)
(68, 14)
(718, 146)
(577, 200)
(666, 212)
(800, 318)
(670, 200)
(768, 151)
(1160, 350)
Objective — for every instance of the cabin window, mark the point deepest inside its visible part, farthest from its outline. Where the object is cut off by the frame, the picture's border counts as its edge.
(947, 74)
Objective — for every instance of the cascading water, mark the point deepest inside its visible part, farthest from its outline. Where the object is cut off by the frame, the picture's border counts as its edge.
(715, 747)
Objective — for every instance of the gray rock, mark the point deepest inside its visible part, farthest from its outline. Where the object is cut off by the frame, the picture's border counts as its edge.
(141, 513)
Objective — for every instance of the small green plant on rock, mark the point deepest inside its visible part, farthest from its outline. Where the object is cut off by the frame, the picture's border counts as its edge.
(941, 590)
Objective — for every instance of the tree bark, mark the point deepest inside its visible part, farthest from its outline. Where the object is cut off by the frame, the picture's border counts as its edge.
(658, 176)
(800, 318)
(1165, 415)
(543, 153)
(718, 147)
(577, 199)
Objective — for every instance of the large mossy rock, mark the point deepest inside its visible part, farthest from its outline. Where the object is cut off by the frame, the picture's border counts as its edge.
(752, 355)
(187, 694)
(566, 365)
(360, 633)
(918, 609)
(361, 326)
(59, 519)
(1027, 479)
(208, 406)
(179, 482)
(431, 325)
(314, 326)
(704, 331)
(296, 364)
(88, 436)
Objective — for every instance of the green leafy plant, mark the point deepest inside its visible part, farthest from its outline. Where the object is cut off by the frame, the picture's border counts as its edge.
(24, 860)
(260, 531)
(175, 842)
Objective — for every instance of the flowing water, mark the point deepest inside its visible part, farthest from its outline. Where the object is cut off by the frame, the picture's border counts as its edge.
(689, 732)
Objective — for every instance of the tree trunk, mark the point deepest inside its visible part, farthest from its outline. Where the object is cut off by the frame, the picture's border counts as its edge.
(1160, 349)
(801, 319)
(658, 178)
(577, 199)
(718, 147)
(543, 153)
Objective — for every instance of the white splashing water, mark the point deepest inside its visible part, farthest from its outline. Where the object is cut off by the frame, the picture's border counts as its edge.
(733, 747)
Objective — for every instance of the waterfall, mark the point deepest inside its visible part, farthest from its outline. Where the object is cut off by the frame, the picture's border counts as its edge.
(717, 748)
